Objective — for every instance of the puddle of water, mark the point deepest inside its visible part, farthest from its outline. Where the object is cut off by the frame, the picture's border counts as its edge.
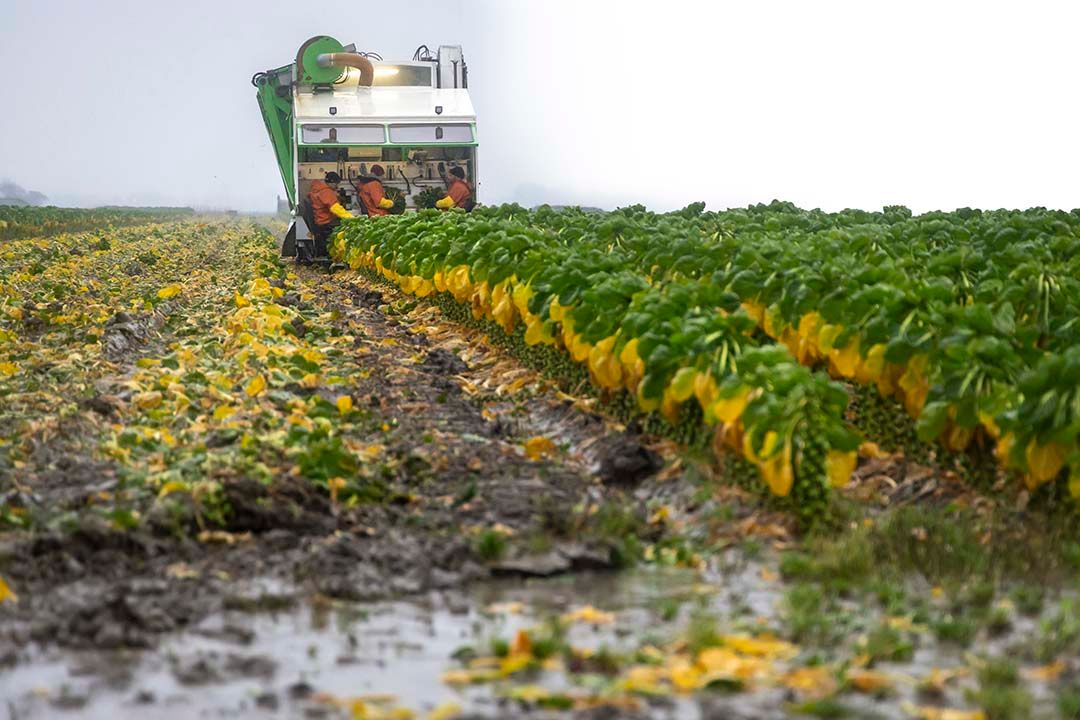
(240, 664)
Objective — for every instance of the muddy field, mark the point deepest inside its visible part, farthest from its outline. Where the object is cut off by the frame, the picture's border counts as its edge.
(378, 512)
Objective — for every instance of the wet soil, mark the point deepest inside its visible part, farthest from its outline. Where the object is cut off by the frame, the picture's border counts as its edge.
(452, 466)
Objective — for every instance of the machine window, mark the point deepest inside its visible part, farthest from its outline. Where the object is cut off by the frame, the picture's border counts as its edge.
(431, 133)
(388, 75)
(345, 134)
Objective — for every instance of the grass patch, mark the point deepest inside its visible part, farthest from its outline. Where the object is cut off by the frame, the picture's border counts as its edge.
(1029, 599)
(886, 643)
(955, 629)
(1000, 694)
(490, 545)
(1068, 702)
(808, 616)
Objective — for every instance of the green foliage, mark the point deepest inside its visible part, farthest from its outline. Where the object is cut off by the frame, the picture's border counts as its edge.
(490, 544)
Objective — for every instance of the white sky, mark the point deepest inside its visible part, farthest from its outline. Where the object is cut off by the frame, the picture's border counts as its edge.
(826, 104)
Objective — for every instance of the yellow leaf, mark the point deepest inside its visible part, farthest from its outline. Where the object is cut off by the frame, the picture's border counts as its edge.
(936, 713)
(8, 368)
(344, 404)
(148, 400)
(522, 644)
(704, 388)
(457, 677)
(256, 386)
(537, 447)
(1046, 673)
(6, 593)
(589, 614)
(868, 681)
(839, 466)
(764, 646)
(815, 682)
(446, 711)
(1044, 462)
(530, 693)
(171, 487)
(240, 300)
(169, 291)
(872, 450)
(777, 471)
(682, 384)
(846, 359)
(826, 335)
(685, 677)
(644, 679)
(728, 410)
(514, 663)
(721, 663)
(222, 412)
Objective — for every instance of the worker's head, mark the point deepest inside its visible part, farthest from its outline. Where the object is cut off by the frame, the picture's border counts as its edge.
(377, 171)
(458, 173)
(333, 179)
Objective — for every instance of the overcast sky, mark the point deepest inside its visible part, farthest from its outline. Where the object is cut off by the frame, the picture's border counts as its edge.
(827, 104)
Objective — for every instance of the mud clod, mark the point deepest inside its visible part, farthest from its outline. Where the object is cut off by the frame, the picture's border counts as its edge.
(443, 362)
(126, 334)
(624, 460)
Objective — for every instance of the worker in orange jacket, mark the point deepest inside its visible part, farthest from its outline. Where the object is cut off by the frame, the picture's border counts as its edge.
(327, 209)
(458, 194)
(373, 194)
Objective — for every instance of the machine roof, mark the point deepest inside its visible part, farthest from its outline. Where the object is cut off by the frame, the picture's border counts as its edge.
(385, 104)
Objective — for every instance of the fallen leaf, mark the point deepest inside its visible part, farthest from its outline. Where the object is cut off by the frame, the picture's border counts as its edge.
(1046, 673)
(868, 681)
(811, 682)
(522, 644)
(645, 679)
(256, 386)
(169, 291)
(446, 711)
(589, 614)
(537, 447)
(935, 713)
(181, 571)
(6, 593)
(171, 487)
(223, 537)
(147, 400)
(344, 404)
(764, 646)
(871, 450)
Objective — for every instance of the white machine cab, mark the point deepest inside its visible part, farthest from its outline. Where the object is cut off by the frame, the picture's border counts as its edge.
(354, 114)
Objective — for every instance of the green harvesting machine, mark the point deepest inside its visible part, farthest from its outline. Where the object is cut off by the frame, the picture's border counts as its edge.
(342, 110)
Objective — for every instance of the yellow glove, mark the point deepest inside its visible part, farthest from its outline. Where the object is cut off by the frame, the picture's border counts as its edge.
(386, 203)
(340, 211)
(445, 204)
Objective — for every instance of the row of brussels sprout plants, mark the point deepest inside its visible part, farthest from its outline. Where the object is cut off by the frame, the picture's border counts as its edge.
(969, 318)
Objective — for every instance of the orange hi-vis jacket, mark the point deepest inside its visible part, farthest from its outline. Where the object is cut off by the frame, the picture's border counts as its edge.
(322, 198)
(374, 197)
(458, 195)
